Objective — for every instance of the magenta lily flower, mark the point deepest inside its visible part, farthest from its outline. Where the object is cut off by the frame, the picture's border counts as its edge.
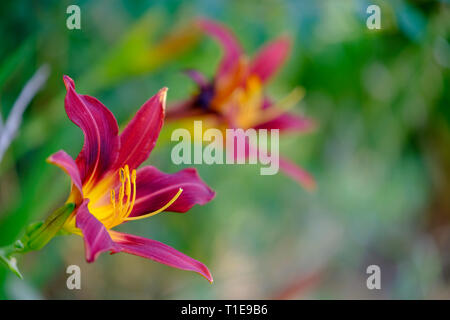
(108, 189)
(235, 97)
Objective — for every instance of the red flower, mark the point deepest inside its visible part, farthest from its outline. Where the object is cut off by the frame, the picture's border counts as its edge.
(108, 188)
(235, 97)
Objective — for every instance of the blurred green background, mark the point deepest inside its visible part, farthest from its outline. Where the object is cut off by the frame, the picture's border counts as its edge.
(381, 153)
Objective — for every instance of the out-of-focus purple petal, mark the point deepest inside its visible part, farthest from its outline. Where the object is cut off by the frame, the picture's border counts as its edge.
(288, 122)
(100, 130)
(270, 58)
(154, 189)
(159, 252)
(139, 137)
(298, 174)
(198, 77)
(96, 236)
(232, 49)
(267, 103)
(287, 167)
(66, 163)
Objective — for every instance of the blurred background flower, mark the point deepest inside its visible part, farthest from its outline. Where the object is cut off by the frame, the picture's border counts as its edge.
(235, 98)
(380, 156)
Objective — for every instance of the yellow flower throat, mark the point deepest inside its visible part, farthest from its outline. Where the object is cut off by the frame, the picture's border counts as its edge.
(124, 203)
(121, 203)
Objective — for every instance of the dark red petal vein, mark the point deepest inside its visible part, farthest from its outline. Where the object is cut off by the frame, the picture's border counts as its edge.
(139, 137)
(100, 130)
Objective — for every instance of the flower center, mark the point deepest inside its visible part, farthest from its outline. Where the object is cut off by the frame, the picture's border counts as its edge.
(123, 205)
(123, 202)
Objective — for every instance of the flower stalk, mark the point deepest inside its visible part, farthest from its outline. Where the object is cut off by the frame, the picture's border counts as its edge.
(36, 236)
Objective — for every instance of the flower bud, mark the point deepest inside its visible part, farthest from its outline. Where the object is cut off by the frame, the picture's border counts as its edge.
(39, 234)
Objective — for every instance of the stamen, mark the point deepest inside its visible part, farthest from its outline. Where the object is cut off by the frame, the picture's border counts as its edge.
(113, 199)
(127, 176)
(133, 182)
(122, 189)
(121, 174)
(159, 210)
(281, 107)
(127, 189)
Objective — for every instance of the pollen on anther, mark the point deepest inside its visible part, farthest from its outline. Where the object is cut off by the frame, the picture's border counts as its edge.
(113, 198)
(122, 174)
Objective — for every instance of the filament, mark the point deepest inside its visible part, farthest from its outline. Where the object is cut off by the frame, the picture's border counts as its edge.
(168, 204)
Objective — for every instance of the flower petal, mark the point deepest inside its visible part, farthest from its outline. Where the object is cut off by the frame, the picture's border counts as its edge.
(96, 236)
(270, 58)
(139, 137)
(100, 130)
(297, 173)
(154, 189)
(288, 122)
(159, 252)
(65, 162)
(287, 167)
(230, 45)
(198, 77)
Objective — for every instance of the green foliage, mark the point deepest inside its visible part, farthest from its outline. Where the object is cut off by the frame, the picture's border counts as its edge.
(380, 154)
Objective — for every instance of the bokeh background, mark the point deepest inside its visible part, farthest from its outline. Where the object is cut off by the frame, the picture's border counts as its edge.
(380, 155)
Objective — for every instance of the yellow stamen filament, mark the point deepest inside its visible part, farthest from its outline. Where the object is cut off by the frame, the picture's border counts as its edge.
(122, 210)
(133, 181)
(249, 101)
(281, 107)
(122, 189)
(127, 189)
(113, 199)
(168, 204)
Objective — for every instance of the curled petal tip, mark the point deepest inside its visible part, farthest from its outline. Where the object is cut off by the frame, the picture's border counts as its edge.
(307, 182)
(68, 82)
(209, 278)
(201, 21)
(286, 39)
(51, 157)
(162, 96)
(205, 273)
(298, 174)
(310, 186)
(159, 252)
(211, 192)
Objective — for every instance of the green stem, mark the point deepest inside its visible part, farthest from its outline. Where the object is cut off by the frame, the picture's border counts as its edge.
(36, 236)
(7, 258)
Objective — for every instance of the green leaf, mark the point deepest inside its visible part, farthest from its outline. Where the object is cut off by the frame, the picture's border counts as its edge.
(9, 261)
(13, 61)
